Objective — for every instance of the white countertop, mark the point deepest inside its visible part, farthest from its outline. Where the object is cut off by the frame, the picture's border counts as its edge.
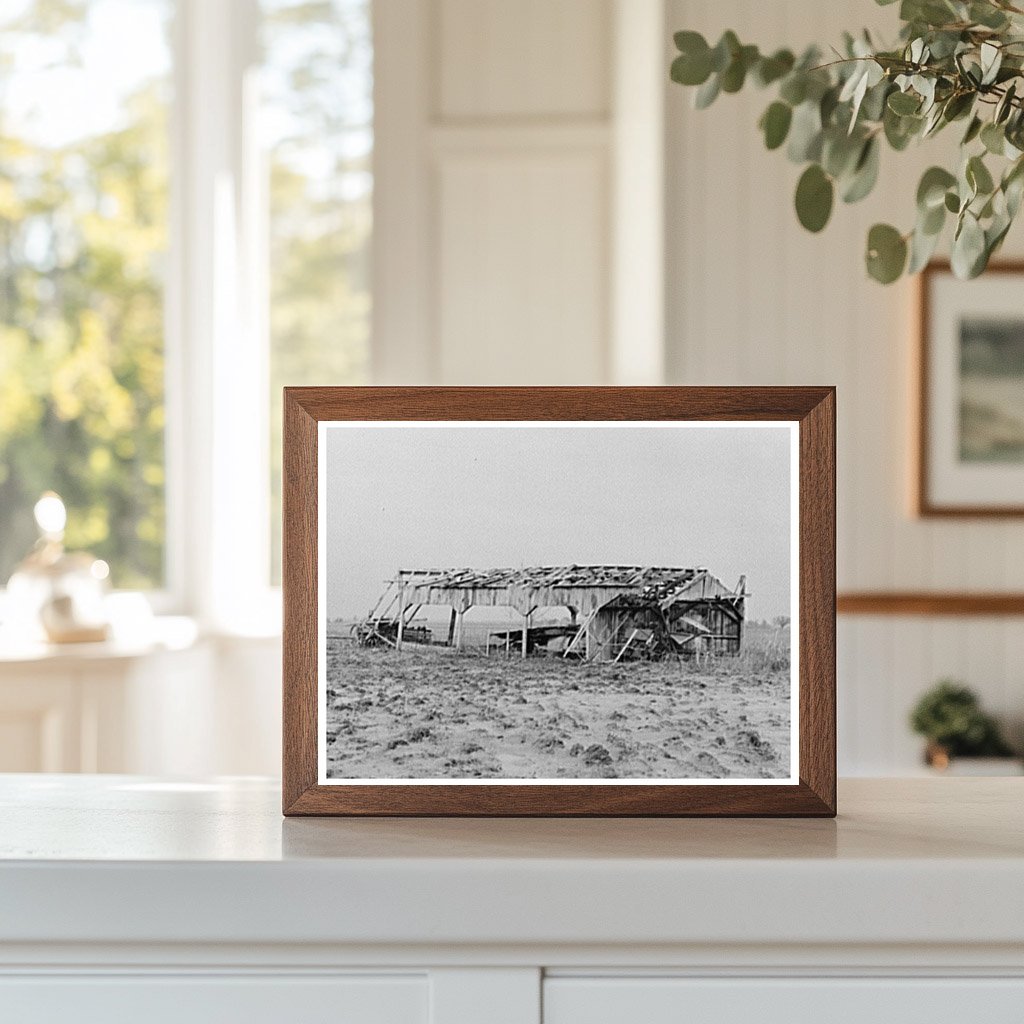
(121, 859)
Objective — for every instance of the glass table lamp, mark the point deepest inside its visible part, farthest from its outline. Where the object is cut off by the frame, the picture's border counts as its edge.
(56, 595)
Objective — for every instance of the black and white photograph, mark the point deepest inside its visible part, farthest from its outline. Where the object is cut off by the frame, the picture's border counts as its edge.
(572, 602)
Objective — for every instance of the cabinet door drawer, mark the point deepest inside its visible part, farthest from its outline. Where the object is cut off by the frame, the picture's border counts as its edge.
(783, 1001)
(202, 999)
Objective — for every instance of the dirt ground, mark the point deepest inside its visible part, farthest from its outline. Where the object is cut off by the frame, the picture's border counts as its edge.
(431, 713)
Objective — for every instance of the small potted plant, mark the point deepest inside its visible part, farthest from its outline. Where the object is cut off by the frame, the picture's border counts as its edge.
(950, 718)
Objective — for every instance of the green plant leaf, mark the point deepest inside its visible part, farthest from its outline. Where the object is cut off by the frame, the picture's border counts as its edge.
(693, 65)
(900, 130)
(805, 133)
(991, 61)
(886, 254)
(993, 138)
(814, 196)
(771, 69)
(978, 176)
(725, 49)
(865, 174)
(1005, 105)
(735, 74)
(931, 221)
(840, 152)
(987, 15)
(707, 93)
(973, 130)
(775, 124)
(968, 255)
(931, 191)
(904, 103)
(958, 106)
(922, 247)
(1013, 187)
(794, 89)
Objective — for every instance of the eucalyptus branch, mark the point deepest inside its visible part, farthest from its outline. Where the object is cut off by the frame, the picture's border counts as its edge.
(955, 59)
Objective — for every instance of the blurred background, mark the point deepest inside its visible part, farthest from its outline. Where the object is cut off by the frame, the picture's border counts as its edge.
(202, 201)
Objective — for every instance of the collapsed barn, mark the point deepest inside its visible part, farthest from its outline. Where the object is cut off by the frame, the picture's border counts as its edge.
(616, 612)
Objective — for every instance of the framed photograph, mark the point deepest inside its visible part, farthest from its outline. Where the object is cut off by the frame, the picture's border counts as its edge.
(559, 601)
(970, 451)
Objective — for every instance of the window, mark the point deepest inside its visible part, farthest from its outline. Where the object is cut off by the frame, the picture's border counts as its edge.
(83, 234)
(317, 119)
(185, 222)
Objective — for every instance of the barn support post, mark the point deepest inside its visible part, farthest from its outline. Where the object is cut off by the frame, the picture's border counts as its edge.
(526, 629)
(451, 627)
(401, 616)
(458, 629)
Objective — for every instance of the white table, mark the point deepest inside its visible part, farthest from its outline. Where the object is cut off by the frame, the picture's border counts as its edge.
(126, 896)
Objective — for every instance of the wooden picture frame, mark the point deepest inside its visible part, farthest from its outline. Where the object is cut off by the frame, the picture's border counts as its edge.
(940, 490)
(808, 791)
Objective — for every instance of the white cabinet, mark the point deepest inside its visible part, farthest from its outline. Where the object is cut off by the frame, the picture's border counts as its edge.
(215, 1000)
(624, 1000)
(127, 899)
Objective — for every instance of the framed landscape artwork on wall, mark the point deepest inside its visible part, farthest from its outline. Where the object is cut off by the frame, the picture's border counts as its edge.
(970, 451)
(531, 601)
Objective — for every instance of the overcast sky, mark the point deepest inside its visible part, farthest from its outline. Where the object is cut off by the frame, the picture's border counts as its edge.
(490, 497)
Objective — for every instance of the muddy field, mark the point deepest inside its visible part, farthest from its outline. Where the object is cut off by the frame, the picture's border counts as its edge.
(428, 712)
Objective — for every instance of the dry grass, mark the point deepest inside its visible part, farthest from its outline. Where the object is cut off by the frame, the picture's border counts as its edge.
(431, 713)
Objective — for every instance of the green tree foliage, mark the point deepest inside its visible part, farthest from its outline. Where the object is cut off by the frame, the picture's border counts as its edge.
(318, 91)
(82, 228)
(958, 61)
(83, 235)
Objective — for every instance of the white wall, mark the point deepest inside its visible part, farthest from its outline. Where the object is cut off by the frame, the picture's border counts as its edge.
(501, 140)
(508, 137)
(754, 299)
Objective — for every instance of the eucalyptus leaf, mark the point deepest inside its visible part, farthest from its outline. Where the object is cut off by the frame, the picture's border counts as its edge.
(922, 247)
(991, 61)
(954, 60)
(805, 133)
(903, 103)
(931, 190)
(735, 74)
(958, 105)
(968, 248)
(932, 221)
(814, 196)
(973, 130)
(978, 176)
(771, 69)
(1005, 105)
(724, 51)
(865, 173)
(886, 253)
(900, 130)
(691, 70)
(707, 93)
(794, 88)
(840, 152)
(993, 138)
(987, 15)
(775, 124)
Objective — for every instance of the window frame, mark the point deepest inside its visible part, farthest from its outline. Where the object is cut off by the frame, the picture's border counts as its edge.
(216, 347)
